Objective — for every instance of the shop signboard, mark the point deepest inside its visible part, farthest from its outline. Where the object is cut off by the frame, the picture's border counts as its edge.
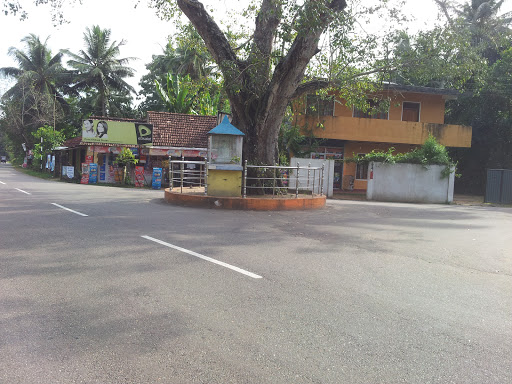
(139, 176)
(174, 152)
(101, 149)
(117, 132)
(93, 173)
(157, 178)
(159, 152)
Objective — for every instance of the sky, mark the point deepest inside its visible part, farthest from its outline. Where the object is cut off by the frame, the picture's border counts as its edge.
(145, 34)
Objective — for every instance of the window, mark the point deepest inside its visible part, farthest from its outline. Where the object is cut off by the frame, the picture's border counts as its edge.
(411, 111)
(319, 105)
(361, 169)
(378, 109)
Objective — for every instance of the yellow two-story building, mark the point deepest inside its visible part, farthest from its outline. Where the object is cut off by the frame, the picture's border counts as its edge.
(410, 115)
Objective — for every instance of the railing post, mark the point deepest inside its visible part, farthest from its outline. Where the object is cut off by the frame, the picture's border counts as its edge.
(314, 178)
(181, 176)
(322, 181)
(245, 180)
(297, 182)
(309, 174)
(206, 176)
(170, 174)
(274, 185)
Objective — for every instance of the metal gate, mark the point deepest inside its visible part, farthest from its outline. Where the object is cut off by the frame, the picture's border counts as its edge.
(499, 186)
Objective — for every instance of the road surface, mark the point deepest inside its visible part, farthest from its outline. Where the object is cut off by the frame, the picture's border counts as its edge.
(112, 285)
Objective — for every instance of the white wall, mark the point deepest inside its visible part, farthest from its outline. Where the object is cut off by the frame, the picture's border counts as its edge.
(409, 183)
(303, 174)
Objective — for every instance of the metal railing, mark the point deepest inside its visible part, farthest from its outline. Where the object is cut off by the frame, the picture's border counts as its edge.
(282, 179)
(188, 174)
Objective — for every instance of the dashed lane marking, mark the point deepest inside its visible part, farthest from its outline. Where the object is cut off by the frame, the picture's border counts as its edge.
(70, 210)
(232, 267)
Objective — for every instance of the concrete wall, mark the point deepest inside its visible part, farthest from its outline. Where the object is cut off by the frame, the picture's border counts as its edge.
(409, 183)
(303, 174)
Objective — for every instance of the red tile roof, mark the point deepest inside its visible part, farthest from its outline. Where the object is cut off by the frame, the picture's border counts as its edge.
(180, 130)
(72, 143)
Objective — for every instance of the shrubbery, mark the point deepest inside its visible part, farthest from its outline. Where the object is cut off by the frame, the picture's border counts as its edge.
(430, 153)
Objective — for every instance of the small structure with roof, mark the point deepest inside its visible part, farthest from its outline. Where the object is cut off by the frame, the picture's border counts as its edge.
(225, 160)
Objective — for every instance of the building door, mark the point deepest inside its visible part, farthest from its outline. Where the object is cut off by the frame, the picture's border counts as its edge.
(104, 167)
(338, 175)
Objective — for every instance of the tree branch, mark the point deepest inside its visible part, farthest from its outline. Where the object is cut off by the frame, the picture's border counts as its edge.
(444, 7)
(267, 21)
(209, 31)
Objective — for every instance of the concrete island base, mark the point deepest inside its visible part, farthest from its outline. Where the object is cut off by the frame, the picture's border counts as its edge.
(249, 203)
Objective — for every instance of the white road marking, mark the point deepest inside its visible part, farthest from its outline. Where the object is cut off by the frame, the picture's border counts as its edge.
(70, 210)
(21, 190)
(1, 182)
(232, 267)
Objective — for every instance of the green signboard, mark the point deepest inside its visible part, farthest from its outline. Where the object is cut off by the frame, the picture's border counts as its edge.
(117, 132)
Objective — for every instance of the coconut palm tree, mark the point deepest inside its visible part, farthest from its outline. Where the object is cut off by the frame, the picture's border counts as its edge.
(99, 67)
(38, 69)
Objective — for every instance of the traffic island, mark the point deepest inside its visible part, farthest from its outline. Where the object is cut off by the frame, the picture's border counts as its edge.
(263, 203)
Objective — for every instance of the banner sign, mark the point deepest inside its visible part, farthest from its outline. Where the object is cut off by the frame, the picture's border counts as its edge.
(85, 174)
(139, 176)
(99, 149)
(68, 171)
(93, 173)
(157, 178)
(177, 152)
(159, 152)
(117, 132)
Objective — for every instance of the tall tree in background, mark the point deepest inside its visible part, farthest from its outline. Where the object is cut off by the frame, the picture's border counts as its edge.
(37, 97)
(38, 68)
(486, 102)
(99, 68)
(186, 56)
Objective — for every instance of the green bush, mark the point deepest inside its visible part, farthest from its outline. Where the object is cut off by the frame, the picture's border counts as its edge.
(430, 153)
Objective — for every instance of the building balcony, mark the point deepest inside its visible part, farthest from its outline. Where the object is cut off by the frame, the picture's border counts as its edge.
(386, 131)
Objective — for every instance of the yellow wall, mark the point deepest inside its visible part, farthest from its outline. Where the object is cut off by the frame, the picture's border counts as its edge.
(345, 127)
(386, 131)
(224, 183)
(431, 108)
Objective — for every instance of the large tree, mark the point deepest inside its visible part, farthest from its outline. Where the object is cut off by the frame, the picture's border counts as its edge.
(261, 83)
(99, 67)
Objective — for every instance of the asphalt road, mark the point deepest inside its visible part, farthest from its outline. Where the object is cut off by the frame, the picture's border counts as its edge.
(357, 292)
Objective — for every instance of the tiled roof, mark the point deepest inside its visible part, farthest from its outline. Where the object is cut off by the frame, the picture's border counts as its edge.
(72, 143)
(180, 130)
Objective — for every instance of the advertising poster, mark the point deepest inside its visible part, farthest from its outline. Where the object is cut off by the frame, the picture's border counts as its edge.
(70, 172)
(93, 173)
(117, 132)
(139, 177)
(88, 159)
(85, 174)
(157, 178)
